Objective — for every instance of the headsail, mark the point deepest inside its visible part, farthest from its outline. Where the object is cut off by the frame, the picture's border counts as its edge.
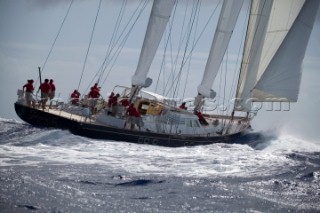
(227, 20)
(258, 20)
(159, 17)
(281, 79)
(271, 66)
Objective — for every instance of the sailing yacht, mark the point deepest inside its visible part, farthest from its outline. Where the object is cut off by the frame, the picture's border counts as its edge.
(276, 38)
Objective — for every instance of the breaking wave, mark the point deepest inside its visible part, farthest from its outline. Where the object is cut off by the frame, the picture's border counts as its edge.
(22, 144)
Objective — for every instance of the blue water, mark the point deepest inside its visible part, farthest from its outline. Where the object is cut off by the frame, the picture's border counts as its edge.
(47, 170)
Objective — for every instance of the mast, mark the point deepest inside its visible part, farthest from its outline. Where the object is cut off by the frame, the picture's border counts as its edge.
(228, 17)
(257, 26)
(159, 17)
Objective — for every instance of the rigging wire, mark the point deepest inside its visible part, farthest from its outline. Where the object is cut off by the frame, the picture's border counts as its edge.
(178, 76)
(165, 48)
(56, 38)
(237, 67)
(189, 64)
(183, 40)
(91, 38)
(108, 52)
(224, 88)
(174, 61)
(119, 49)
(200, 35)
(114, 33)
(194, 16)
(255, 32)
(116, 53)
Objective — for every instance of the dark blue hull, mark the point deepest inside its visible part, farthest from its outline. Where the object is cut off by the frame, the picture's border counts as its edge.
(42, 119)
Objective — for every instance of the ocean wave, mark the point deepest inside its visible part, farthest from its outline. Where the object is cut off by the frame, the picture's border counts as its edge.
(22, 144)
(22, 134)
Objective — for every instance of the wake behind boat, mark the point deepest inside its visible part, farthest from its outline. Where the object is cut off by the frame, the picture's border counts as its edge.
(273, 53)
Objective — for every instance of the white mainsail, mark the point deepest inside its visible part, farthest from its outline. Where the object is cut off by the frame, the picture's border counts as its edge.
(272, 70)
(228, 17)
(159, 17)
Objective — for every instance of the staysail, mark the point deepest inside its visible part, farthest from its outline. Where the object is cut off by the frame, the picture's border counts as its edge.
(271, 67)
(159, 17)
(226, 23)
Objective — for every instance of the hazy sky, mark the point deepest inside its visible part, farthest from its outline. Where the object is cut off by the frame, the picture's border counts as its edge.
(29, 27)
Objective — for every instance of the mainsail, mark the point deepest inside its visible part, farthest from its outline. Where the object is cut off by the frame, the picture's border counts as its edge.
(274, 51)
(159, 17)
(227, 20)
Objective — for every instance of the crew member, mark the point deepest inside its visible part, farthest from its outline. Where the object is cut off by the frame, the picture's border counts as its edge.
(183, 106)
(134, 117)
(45, 90)
(202, 120)
(93, 96)
(75, 97)
(110, 99)
(114, 104)
(52, 92)
(29, 93)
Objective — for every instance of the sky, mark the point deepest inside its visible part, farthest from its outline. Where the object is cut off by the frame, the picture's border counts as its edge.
(28, 28)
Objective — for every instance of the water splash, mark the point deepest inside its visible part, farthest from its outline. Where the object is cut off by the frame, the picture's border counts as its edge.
(22, 144)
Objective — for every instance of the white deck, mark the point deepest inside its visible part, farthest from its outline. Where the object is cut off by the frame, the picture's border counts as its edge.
(68, 115)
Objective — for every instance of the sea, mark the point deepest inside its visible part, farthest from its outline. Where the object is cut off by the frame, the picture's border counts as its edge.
(51, 170)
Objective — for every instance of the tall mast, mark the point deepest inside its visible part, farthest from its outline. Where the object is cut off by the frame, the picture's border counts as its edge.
(228, 17)
(159, 17)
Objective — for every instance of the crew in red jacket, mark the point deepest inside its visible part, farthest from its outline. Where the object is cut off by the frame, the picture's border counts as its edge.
(134, 117)
(75, 97)
(93, 96)
(28, 89)
(45, 90)
(52, 91)
(183, 106)
(202, 120)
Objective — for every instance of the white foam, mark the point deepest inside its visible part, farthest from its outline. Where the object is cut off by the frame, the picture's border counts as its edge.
(203, 161)
(60, 147)
(288, 143)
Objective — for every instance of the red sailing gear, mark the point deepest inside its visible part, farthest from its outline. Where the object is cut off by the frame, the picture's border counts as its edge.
(45, 87)
(132, 111)
(75, 97)
(29, 87)
(52, 86)
(94, 93)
